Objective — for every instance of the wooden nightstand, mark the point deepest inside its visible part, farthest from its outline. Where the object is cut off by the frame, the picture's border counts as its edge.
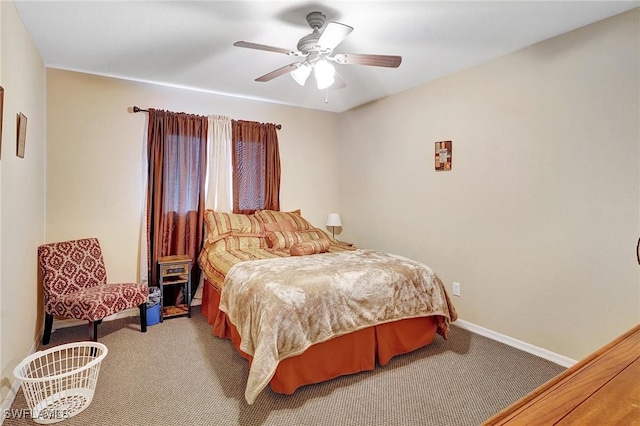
(175, 270)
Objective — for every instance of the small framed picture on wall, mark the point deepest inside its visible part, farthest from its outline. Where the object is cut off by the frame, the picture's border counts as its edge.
(22, 135)
(443, 156)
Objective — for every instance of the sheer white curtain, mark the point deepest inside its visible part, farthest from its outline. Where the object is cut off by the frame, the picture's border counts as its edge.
(219, 193)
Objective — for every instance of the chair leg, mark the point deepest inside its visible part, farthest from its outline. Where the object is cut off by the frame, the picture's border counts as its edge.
(95, 329)
(143, 317)
(48, 325)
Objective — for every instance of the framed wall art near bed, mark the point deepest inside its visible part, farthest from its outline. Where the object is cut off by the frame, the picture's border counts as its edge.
(443, 155)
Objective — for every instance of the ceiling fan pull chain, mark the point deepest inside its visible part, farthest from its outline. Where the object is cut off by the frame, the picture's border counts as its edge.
(326, 95)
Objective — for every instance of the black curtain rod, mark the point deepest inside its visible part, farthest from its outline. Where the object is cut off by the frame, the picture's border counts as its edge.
(137, 109)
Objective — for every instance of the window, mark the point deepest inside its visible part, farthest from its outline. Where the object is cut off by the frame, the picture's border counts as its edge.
(175, 194)
(181, 190)
(251, 171)
(256, 167)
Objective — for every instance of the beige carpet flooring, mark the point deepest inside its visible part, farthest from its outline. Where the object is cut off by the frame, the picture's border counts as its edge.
(179, 374)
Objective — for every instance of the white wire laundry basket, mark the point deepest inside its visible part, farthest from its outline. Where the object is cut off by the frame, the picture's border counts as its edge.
(59, 382)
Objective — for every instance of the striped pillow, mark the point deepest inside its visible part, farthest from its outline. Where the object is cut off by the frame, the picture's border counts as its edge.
(283, 225)
(282, 239)
(310, 247)
(272, 216)
(220, 225)
(313, 234)
(242, 242)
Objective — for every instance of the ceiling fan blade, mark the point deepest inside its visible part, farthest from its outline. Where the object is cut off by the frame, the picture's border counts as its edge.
(338, 83)
(257, 46)
(333, 35)
(278, 72)
(373, 60)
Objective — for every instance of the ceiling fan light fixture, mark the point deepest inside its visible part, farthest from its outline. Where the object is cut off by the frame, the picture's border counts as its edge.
(324, 73)
(301, 74)
(317, 49)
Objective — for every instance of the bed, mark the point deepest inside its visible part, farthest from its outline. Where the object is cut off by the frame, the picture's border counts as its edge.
(303, 308)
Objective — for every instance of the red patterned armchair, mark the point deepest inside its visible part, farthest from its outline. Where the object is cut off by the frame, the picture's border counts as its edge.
(75, 286)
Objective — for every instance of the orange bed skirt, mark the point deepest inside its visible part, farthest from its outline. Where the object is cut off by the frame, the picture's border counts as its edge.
(347, 354)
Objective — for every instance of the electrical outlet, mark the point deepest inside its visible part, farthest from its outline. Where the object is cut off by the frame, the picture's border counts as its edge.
(456, 289)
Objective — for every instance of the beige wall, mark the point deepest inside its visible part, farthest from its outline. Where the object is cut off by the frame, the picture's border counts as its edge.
(96, 153)
(539, 217)
(22, 195)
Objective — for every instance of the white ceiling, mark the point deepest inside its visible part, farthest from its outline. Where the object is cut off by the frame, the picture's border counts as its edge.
(190, 43)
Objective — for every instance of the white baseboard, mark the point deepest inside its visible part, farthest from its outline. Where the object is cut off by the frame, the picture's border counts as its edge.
(11, 396)
(518, 344)
(131, 312)
(15, 385)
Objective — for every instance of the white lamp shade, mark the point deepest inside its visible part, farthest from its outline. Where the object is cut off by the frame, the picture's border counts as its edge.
(324, 72)
(334, 219)
(301, 74)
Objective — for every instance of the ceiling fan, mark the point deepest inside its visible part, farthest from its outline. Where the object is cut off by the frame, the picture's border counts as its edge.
(317, 50)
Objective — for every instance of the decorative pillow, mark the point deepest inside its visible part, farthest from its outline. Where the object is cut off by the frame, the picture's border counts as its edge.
(283, 225)
(282, 239)
(242, 242)
(220, 225)
(272, 216)
(313, 234)
(310, 247)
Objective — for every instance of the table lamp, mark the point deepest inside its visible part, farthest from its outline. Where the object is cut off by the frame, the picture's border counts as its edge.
(334, 220)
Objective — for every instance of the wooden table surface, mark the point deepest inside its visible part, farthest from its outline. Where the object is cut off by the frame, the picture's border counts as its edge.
(602, 389)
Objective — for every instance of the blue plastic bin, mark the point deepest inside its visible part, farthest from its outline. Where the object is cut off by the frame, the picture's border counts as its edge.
(153, 314)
